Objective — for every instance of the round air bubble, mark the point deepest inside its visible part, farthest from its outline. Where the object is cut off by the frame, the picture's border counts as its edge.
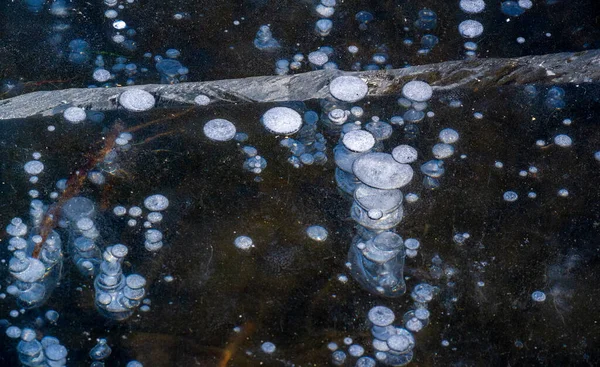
(318, 58)
(268, 347)
(414, 324)
(422, 313)
(219, 130)
(412, 244)
(156, 203)
(168, 67)
(154, 217)
(381, 130)
(202, 100)
(153, 246)
(511, 8)
(417, 91)
(34, 167)
(365, 362)
(119, 24)
(356, 350)
(137, 100)
(119, 211)
(563, 140)
(399, 343)
(317, 233)
(135, 211)
(448, 136)
(282, 120)
(348, 88)
(413, 115)
(153, 235)
(358, 141)
(525, 4)
(381, 171)
(75, 115)
(470, 28)
(442, 150)
(243, 243)
(28, 334)
(172, 53)
(55, 352)
(538, 296)
(27, 270)
(135, 281)
(510, 196)
(472, 6)
(323, 26)
(376, 200)
(381, 316)
(101, 75)
(111, 14)
(338, 358)
(404, 154)
(85, 224)
(13, 332)
(324, 11)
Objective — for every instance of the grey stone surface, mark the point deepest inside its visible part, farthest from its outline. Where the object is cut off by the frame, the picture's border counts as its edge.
(561, 68)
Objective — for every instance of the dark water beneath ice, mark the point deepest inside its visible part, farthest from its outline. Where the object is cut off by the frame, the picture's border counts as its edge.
(286, 290)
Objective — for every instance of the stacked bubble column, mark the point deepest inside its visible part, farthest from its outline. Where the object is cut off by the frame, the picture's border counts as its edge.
(376, 255)
(117, 296)
(353, 144)
(35, 278)
(79, 213)
(372, 179)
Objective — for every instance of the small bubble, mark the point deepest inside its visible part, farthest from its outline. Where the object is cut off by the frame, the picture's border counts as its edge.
(243, 243)
(538, 296)
(268, 347)
(317, 233)
(510, 196)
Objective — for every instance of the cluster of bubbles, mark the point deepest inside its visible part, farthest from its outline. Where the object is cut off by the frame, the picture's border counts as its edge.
(120, 32)
(434, 169)
(264, 40)
(309, 146)
(325, 9)
(221, 130)
(515, 8)
(101, 351)
(46, 352)
(68, 226)
(394, 345)
(373, 180)
(555, 98)
(471, 28)
(426, 22)
(355, 350)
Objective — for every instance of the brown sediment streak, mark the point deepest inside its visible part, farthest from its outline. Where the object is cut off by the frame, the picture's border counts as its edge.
(168, 117)
(235, 341)
(74, 185)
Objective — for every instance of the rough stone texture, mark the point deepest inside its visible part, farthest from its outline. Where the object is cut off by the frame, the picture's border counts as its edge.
(561, 68)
